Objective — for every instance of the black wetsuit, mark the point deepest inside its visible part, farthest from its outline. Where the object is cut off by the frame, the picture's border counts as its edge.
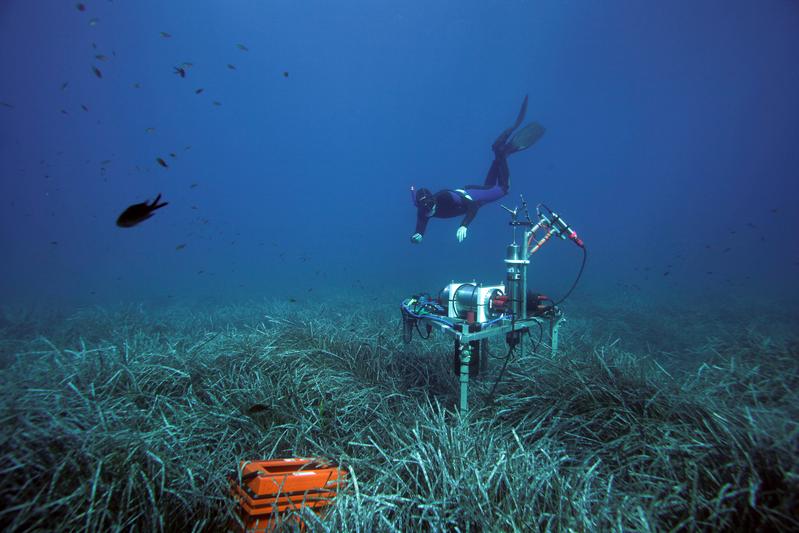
(467, 201)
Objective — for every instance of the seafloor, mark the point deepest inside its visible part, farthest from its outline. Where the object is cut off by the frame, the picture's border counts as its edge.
(649, 419)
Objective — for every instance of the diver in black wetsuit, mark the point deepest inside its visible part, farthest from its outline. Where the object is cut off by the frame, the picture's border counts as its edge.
(467, 201)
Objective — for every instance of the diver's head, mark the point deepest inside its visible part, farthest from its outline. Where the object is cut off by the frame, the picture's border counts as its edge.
(425, 199)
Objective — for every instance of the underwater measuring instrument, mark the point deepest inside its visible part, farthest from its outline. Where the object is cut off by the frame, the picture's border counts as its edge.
(266, 492)
(472, 313)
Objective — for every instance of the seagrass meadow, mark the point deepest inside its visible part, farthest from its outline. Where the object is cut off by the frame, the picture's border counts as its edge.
(130, 419)
(253, 253)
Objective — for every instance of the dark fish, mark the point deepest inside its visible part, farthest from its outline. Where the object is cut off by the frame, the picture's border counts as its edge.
(6, 104)
(193, 185)
(231, 67)
(198, 91)
(285, 73)
(173, 155)
(64, 85)
(149, 130)
(101, 57)
(82, 106)
(187, 147)
(217, 103)
(257, 408)
(725, 250)
(105, 161)
(292, 300)
(751, 225)
(243, 48)
(137, 213)
(53, 242)
(180, 71)
(137, 85)
(161, 162)
(97, 72)
(666, 273)
(166, 35)
(180, 246)
(709, 272)
(81, 7)
(773, 209)
(64, 112)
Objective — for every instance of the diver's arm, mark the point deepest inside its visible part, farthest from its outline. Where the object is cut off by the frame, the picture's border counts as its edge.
(471, 212)
(421, 221)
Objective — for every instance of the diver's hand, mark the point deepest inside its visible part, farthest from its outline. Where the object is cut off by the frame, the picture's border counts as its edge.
(461, 233)
(416, 238)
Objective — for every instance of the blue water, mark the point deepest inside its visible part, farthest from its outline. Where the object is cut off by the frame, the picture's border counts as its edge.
(672, 134)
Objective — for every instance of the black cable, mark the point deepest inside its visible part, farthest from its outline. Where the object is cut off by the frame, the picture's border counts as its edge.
(420, 331)
(579, 274)
(501, 372)
(540, 336)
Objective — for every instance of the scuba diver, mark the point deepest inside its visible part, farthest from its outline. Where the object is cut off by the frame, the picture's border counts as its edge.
(467, 201)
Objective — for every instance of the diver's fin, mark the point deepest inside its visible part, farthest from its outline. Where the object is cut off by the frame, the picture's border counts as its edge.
(526, 137)
(520, 116)
(500, 143)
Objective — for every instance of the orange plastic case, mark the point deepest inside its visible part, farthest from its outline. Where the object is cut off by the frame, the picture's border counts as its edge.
(266, 490)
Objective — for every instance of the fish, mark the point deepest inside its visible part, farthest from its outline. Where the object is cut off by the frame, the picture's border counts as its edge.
(80, 7)
(83, 106)
(138, 213)
(173, 155)
(180, 71)
(242, 47)
(217, 103)
(137, 85)
(725, 250)
(285, 73)
(166, 35)
(6, 104)
(64, 112)
(105, 161)
(257, 408)
(54, 242)
(161, 162)
(101, 57)
(231, 67)
(180, 246)
(64, 85)
(193, 185)
(198, 91)
(149, 130)
(97, 72)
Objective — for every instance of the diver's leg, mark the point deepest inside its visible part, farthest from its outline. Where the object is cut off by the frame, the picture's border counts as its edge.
(498, 173)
